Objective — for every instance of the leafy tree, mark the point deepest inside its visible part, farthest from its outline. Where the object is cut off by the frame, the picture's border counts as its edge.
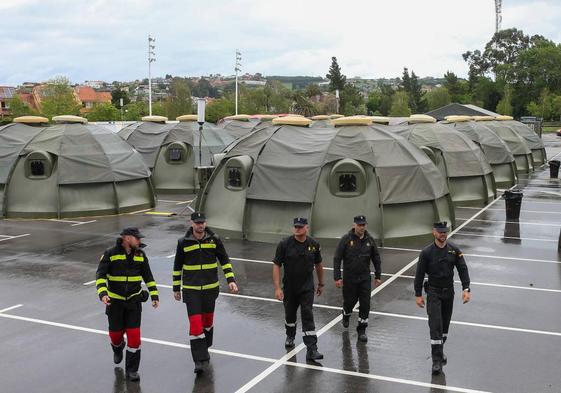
(386, 93)
(400, 105)
(336, 78)
(19, 108)
(179, 101)
(437, 98)
(417, 101)
(303, 106)
(504, 107)
(104, 112)
(373, 102)
(59, 98)
(313, 90)
(118, 93)
(135, 110)
(219, 109)
(203, 88)
(351, 101)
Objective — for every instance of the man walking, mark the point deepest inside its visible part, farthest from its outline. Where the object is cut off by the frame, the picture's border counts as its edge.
(195, 276)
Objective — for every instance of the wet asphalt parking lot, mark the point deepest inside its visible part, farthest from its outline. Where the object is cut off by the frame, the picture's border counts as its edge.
(507, 339)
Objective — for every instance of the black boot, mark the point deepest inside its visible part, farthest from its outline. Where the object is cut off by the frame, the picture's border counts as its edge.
(313, 354)
(132, 362)
(361, 330)
(345, 320)
(289, 343)
(444, 360)
(199, 367)
(208, 337)
(436, 367)
(118, 352)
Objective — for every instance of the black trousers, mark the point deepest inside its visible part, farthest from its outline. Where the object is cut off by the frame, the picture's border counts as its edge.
(440, 303)
(353, 291)
(304, 300)
(123, 315)
(200, 309)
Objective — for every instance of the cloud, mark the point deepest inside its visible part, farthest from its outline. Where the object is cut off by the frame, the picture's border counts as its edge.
(107, 40)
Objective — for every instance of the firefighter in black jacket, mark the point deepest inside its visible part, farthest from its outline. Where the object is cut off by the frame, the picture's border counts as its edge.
(438, 260)
(300, 255)
(119, 275)
(195, 272)
(356, 249)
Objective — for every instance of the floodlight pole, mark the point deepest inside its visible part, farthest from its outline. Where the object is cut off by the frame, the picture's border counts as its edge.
(237, 68)
(337, 99)
(151, 59)
(201, 120)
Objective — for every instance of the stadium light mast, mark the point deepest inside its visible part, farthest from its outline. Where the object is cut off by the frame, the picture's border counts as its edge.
(151, 59)
(498, 15)
(237, 68)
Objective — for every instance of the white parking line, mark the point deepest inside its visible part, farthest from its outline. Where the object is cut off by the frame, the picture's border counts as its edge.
(14, 237)
(141, 211)
(507, 237)
(10, 308)
(89, 282)
(521, 211)
(83, 223)
(516, 222)
(245, 356)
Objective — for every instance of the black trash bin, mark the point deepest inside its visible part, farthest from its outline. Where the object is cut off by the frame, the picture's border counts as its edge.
(513, 202)
(554, 168)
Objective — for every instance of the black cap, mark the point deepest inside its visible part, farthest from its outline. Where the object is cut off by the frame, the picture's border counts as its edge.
(360, 220)
(132, 231)
(198, 217)
(300, 221)
(441, 226)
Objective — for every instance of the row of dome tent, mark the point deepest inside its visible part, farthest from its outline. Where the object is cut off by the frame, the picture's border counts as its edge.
(402, 176)
(322, 168)
(69, 169)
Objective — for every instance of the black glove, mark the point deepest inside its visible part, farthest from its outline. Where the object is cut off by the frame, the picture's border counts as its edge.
(144, 296)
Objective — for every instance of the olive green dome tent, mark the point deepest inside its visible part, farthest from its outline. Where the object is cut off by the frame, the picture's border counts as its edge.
(171, 150)
(532, 139)
(517, 144)
(70, 169)
(239, 125)
(326, 174)
(462, 162)
(496, 150)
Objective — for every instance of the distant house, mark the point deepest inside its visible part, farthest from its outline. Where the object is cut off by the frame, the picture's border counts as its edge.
(6, 95)
(88, 97)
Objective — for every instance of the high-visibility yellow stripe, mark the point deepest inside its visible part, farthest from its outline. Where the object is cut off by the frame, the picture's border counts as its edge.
(176, 282)
(101, 289)
(201, 267)
(228, 275)
(203, 287)
(100, 281)
(153, 293)
(227, 266)
(151, 284)
(118, 257)
(208, 245)
(119, 297)
(191, 248)
(124, 278)
(177, 272)
(210, 286)
(138, 258)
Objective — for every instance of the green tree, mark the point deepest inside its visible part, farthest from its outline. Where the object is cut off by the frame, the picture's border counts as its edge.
(278, 97)
(135, 111)
(400, 105)
(504, 107)
(104, 112)
(386, 93)
(303, 106)
(437, 98)
(416, 95)
(219, 109)
(19, 108)
(351, 101)
(457, 88)
(336, 78)
(117, 93)
(373, 102)
(313, 90)
(59, 98)
(179, 101)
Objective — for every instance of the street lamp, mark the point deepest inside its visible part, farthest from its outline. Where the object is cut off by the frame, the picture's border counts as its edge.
(237, 68)
(151, 59)
(201, 120)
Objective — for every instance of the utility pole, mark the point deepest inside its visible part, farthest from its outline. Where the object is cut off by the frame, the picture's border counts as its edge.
(237, 68)
(151, 59)
(498, 15)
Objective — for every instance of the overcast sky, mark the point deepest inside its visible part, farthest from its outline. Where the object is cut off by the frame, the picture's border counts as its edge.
(107, 39)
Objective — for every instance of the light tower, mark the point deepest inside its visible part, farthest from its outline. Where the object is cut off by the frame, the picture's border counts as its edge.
(151, 59)
(237, 68)
(498, 15)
